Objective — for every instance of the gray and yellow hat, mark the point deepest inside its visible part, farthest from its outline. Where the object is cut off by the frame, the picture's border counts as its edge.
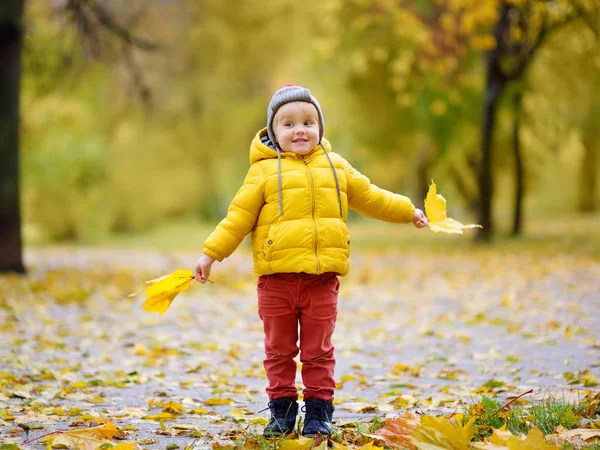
(287, 94)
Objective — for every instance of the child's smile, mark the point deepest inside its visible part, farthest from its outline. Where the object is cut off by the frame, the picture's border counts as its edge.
(297, 127)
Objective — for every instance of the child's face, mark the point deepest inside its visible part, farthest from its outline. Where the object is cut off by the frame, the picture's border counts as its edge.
(296, 127)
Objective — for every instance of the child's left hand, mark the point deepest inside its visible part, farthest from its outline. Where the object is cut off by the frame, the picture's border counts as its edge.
(420, 219)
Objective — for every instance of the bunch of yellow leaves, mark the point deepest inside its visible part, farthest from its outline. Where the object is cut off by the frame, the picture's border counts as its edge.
(435, 210)
(162, 291)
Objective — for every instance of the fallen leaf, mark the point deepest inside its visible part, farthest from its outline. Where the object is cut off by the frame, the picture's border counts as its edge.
(500, 436)
(259, 420)
(338, 446)
(435, 433)
(589, 380)
(435, 209)
(399, 432)
(370, 446)
(236, 414)
(87, 438)
(582, 433)
(534, 441)
(161, 416)
(296, 444)
(219, 401)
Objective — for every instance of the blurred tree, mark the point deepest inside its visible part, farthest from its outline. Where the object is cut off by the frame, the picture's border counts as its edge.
(98, 27)
(11, 35)
(522, 29)
(588, 190)
(88, 15)
(412, 84)
(111, 164)
(519, 171)
(420, 53)
(590, 166)
(562, 82)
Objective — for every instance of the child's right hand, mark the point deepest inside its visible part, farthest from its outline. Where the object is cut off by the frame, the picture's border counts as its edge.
(202, 268)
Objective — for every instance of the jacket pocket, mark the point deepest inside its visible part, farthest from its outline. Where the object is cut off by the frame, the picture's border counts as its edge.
(347, 237)
(270, 242)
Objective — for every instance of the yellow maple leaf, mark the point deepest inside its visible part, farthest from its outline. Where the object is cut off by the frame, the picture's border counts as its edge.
(370, 446)
(500, 436)
(435, 210)
(161, 416)
(589, 380)
(124, 446)
(86, 438)
(301, 443)
(437, 433)
(219, 401)
(259, 420)
(173, 408)
(162, 291)
(534, 441)
(236, 414)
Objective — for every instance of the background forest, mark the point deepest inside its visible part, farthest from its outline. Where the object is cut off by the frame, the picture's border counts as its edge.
(140, 113)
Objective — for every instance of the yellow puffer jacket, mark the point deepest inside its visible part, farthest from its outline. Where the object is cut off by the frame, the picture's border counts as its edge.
(308, 233)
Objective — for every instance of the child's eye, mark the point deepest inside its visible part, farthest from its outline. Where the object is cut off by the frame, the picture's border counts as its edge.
(308, 122)
(288, 124)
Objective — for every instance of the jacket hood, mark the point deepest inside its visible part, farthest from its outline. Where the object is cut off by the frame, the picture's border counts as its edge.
(263, 148)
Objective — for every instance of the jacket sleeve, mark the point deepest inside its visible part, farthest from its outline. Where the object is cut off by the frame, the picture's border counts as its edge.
(242, 215)
(372, 201)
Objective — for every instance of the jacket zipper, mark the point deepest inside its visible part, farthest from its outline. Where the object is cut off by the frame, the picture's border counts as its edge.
(314, 205)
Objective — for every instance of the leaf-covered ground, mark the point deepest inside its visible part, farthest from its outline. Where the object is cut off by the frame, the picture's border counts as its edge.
(422, 331)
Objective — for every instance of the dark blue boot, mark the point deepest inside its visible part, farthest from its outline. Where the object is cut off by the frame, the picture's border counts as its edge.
(319, 414)
(283, 417)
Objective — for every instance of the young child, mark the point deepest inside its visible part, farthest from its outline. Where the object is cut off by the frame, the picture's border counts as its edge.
(295, 200)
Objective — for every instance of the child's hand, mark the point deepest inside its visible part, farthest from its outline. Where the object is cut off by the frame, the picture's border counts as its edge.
(420, 219)
(202, 268)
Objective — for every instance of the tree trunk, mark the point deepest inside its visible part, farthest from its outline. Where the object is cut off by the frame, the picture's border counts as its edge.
(588, 180)
(495, 83)
(519, 167)
(494, 88)
(11, 13)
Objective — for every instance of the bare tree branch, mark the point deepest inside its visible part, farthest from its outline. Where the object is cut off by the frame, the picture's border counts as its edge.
(91, 17)
(528, 54)
(136, 75)
(106, 19)
(81, 19)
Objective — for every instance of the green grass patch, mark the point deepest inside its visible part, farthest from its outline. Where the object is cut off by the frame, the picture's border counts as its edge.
(547, 415)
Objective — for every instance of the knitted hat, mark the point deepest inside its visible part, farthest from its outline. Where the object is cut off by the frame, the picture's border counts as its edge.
(287, 94)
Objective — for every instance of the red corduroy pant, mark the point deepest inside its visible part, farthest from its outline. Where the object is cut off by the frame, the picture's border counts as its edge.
(286, 302)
